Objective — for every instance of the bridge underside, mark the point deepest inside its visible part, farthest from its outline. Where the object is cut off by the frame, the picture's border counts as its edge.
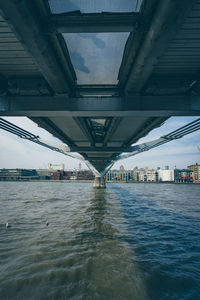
(99, 81)
(95, 147)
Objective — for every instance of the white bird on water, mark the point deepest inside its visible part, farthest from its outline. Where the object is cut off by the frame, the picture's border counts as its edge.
(7, 225)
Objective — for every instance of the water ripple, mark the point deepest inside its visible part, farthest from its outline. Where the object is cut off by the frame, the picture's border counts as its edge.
(130, 241)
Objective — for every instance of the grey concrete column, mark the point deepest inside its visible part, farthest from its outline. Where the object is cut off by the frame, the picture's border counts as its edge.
(99, 183)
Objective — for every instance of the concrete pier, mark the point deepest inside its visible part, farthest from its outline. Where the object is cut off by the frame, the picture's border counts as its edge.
(99, 183)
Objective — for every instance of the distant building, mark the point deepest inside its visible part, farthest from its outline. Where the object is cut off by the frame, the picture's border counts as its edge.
(121, 168)
(67, 175)
(145, 175)
(165, 175)
(56, 167)
(184, 176)
(112, 175)
(150, 176)
(57, 175)
(119, 175)
(18, 175)
(44, 174)
(136, 174)
(84, 175)
(72, 175)
(196, 172)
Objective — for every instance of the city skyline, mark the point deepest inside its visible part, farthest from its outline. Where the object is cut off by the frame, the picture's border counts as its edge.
(19, 153)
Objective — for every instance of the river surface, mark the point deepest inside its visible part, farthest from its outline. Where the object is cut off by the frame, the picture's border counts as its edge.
(129, 241)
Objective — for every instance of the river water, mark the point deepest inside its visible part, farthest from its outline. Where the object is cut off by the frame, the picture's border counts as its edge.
(129, 241)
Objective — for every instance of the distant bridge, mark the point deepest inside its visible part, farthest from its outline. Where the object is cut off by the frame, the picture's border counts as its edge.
(99, 80)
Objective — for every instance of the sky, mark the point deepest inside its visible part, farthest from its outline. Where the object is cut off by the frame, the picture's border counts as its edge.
(18, 153)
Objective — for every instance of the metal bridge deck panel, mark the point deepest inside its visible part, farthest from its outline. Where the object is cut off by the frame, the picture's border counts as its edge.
(182, 55)
(14, 59)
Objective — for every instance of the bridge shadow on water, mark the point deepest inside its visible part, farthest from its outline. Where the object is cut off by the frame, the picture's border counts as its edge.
(124, 242)
(108, 262)
(166, 243)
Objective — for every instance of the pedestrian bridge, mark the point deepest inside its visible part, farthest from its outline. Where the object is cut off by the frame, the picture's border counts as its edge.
(99, 75)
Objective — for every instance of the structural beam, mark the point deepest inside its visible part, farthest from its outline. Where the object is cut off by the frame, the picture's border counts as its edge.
(85, 129)
(111, 129)
(137, 105)
(3, 85)
(103, 149)
(25, 85)
(97, 90)
(26, 19)
(135, 40)
(165, 23)
(76, 22)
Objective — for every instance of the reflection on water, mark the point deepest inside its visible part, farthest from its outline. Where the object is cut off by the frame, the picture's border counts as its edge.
(112, 270)
(123, 242)
(80, 255)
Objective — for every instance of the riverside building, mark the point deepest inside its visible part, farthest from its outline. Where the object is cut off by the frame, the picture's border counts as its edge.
(190, 175)
(183, 176)
(56, 167)
(119, 175)
(145, 175)
(165, 175)
(72, 175)
(151, 175)
(18, 175)
(148, 175)
(196, 172)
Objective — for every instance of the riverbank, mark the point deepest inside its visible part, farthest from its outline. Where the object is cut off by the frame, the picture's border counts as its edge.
(91, 181)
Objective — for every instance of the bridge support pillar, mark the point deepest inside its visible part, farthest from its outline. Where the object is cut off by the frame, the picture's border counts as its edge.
(99, 183)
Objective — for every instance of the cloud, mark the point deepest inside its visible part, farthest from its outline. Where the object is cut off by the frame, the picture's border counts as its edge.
(79, 62)
(100, 43)
(100, 53)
